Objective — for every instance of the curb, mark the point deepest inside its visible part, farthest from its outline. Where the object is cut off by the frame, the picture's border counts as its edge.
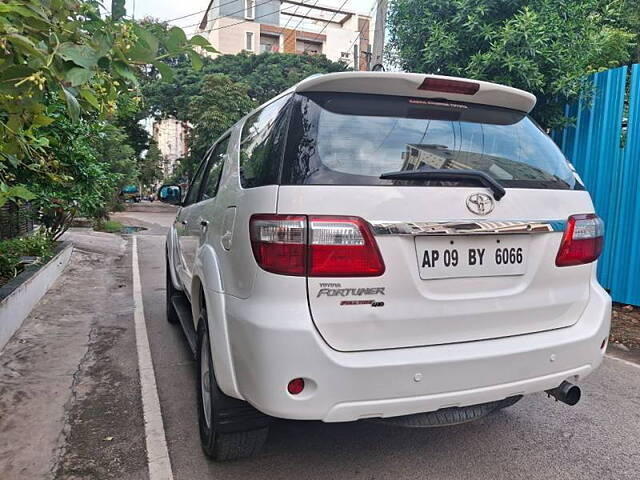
(21, 294)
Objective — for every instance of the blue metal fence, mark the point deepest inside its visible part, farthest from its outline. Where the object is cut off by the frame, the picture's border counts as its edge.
(611, 172)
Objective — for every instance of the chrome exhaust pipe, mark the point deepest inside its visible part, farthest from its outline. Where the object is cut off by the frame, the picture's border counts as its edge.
(567, 393)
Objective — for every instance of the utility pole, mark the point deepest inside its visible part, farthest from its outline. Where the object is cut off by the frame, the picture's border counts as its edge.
(378, 36)
(356, 58)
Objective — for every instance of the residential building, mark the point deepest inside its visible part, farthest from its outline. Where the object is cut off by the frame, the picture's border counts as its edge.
(288, 26)
(419, 156)
(171, 136)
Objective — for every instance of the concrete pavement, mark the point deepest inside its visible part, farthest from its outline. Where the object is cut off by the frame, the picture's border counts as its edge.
(535, 439)
(69, 392)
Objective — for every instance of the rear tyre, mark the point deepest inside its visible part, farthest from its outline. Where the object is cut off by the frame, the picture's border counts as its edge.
(172, 315)
(230, 429)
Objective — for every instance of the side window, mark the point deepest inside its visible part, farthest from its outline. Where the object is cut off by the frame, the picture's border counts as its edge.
(261, 145)
(216, 162)
(194, 187)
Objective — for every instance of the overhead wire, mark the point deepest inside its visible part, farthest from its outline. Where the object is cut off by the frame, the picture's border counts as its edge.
(202, 11)
(282, 10)
(301, 20)
(328, 22)
(287, 23)
(360, 33)
(193, 14)
(245, 21)
(231, 14)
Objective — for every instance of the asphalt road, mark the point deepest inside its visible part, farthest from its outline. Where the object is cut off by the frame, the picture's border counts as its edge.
(538, 438)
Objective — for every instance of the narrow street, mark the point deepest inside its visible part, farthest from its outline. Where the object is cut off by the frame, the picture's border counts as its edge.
(94, 397)
(387, 218)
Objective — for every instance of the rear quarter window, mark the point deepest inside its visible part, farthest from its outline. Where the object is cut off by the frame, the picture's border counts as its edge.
(262, 144)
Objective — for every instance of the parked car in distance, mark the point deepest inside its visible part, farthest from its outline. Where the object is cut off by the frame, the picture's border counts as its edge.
(130, 193)
(399, 246)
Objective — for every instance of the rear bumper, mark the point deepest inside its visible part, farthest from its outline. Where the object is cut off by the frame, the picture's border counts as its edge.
(274, 343)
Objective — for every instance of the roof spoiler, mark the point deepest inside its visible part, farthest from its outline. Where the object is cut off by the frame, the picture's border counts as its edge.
(418, 85)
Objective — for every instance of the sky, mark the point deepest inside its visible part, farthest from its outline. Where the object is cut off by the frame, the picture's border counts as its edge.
(170, 9)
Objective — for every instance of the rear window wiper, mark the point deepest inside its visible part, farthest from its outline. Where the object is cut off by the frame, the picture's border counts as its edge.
(449, 174)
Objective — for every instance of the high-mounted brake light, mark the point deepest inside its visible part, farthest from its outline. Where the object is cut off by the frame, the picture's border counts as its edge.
(318, 246)
(449, 86)
(582, 241)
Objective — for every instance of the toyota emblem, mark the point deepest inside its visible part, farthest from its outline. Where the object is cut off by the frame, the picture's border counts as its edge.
(480, 204)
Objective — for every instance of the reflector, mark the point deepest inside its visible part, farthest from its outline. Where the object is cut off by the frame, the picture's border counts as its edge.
(295, 386)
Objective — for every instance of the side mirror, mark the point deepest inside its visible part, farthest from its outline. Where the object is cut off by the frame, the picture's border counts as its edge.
(171, 194)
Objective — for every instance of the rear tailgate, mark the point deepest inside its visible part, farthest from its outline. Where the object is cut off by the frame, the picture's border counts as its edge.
(421, 301)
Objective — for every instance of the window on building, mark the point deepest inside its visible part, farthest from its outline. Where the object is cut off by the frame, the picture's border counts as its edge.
(308, 46)
(249, 42)
(250, 9)
(269, 43)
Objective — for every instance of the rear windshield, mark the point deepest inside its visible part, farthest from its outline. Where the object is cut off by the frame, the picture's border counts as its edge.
(352, 139)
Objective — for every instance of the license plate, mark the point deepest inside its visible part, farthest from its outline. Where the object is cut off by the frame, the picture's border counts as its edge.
(471, 256)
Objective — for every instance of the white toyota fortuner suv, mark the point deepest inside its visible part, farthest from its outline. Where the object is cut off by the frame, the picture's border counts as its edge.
(383, 245)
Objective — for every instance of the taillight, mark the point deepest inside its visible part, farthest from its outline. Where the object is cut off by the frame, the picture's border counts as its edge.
(319, 246)
(342, 247)
(279, 243)
(582, 241)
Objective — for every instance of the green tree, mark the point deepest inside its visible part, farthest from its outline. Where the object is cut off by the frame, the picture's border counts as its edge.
(219, 104)
(543, 46)
(223, 91)
(111, 148)
(151, 166)
(624, 14)
(128, 117)
(269, 74)
(66, 49)
(87, 172)
(266, 75)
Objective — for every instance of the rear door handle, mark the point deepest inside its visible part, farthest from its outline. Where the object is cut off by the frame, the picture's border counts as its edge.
(184, 222)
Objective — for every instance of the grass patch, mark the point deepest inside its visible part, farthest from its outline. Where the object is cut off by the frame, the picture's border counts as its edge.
(12, 251)
(109, 226)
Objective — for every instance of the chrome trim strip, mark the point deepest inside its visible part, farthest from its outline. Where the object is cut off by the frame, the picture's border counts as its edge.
(469, 227)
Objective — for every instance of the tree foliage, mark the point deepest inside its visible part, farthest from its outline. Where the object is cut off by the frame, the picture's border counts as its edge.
(87, 169)
(151, 166)
(266, 75)
(220, 103)
(226, 89)
(543, 46)
(110, 146)
(64, 50)
(269, 74)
